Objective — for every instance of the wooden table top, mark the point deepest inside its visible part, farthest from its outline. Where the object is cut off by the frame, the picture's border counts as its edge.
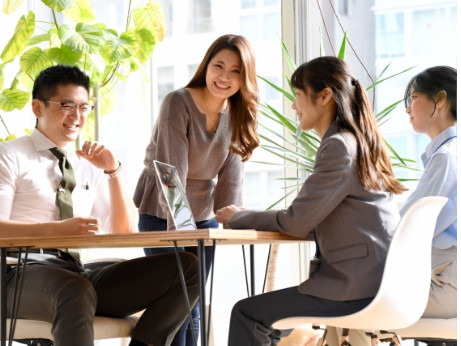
(154, 239)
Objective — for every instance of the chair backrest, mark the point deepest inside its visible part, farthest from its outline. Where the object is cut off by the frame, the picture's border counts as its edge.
(404, 289)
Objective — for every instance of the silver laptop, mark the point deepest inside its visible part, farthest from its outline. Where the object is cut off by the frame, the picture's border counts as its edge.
(175, 196)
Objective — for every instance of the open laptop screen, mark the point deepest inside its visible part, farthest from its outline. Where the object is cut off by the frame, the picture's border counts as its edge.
(175, 196)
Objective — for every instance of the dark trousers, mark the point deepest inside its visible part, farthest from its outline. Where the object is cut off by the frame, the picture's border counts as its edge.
(151, 223)
(69, 299)
(252, 318)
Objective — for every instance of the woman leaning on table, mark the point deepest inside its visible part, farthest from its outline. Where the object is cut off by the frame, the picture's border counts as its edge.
(346, 203)
(206, 130)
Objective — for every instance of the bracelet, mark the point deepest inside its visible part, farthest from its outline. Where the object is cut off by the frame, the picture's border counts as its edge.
(113, 174)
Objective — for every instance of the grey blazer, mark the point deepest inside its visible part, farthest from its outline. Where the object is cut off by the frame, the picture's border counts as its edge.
(353, 226)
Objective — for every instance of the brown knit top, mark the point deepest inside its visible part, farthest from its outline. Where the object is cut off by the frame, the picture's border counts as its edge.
(211, 176)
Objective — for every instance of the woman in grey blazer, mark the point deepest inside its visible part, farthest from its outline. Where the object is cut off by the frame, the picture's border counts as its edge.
(346, 203)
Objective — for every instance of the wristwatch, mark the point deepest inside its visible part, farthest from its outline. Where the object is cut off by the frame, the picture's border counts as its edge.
(113, 174)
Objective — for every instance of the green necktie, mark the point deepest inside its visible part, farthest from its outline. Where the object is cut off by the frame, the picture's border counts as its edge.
(66, 186)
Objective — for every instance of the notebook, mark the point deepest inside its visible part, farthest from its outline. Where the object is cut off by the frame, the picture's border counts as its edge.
(175, 196)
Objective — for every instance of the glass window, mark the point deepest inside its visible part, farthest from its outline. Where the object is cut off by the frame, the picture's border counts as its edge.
(428, 26)
(167, 7)
(199, 16)
(249, 25)
(343, 7)
(390, 36)
(248, 4)
(271, 26)
(165, 81)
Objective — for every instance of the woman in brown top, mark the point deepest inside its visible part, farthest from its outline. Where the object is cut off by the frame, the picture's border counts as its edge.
(206, 130)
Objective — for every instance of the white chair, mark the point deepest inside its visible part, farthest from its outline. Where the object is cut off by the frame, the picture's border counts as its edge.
(404, 289)
(33, 332)
(104, 328)
(435, 330)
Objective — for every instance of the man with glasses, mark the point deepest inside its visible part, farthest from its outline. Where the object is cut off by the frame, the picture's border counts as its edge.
(56, 288)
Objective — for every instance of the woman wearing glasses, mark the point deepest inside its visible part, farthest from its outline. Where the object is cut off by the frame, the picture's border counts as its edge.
(430, 101)
(206, 130)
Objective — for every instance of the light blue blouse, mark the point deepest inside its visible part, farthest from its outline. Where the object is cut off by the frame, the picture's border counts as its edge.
(439, 179)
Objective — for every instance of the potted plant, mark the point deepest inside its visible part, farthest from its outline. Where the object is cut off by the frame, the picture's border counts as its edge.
(106, 55)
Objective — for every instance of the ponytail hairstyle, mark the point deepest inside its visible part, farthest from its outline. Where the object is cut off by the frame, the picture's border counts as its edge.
(353, 114)
(243, 105)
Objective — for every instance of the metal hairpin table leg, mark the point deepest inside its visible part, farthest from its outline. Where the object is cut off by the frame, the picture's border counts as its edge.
(202, 278)
(184, 288)
(3, 297)
(252, 270)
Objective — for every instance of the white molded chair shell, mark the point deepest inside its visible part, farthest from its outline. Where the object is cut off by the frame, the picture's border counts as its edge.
(404, 289)
(431, 328)
(104, 328)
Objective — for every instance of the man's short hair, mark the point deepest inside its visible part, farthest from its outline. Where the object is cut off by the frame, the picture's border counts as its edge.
(47, 82)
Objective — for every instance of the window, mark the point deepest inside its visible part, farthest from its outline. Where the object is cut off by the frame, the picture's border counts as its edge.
(428, 31)
(390, 35)
(199, 16)
(343, 7)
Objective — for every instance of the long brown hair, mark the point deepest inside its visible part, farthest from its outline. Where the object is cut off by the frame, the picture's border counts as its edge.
(353, 114)
(243, 105)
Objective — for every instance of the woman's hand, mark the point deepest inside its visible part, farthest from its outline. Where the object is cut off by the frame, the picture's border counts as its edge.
(224, 215)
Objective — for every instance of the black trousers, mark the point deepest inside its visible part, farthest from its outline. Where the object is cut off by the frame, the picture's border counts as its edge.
(252, 318)
(69, 299)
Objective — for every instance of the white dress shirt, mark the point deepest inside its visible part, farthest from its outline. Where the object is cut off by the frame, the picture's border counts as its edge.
(30, 176)
(439, 179)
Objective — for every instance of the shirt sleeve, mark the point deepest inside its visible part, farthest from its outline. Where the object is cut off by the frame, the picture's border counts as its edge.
(170, 140)
(438, 179)
(320, 194)
(230, 183)
(7, 183)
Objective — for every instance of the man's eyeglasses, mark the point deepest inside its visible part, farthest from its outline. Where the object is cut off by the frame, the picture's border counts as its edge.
(68, 108)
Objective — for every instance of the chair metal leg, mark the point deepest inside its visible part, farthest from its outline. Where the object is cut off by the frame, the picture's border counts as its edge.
(35, 342)
(323, 339)
(374, 340)
(345, 337)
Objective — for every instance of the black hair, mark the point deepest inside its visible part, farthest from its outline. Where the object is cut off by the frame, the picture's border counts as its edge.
(433, 80)
(47, 82)
(353, 114)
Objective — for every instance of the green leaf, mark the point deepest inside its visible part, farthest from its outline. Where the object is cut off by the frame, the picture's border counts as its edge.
(34, 60)
(9, 6)
(378, 80)
(385, 112)
(288, 57)
(80, 12)
(119, 47)
(34, 40)
(63, 55)
(18, 42)
(11, 99)
(342, 49)
(2, 79)
(83, 39)
(151, 18)
(146, 44)
(285, 93)
(59, 5)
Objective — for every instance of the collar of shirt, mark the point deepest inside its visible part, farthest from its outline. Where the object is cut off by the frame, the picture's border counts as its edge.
(437, 142)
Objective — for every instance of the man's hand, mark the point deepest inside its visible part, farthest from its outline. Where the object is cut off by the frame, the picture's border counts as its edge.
(98, 155)
(80, 225)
